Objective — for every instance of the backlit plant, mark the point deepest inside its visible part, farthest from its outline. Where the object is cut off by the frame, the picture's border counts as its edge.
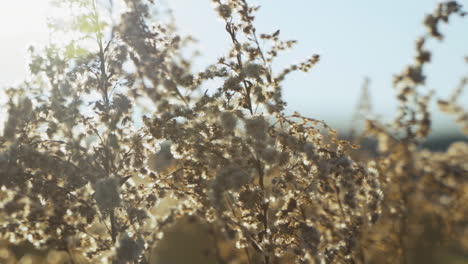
(116, 138)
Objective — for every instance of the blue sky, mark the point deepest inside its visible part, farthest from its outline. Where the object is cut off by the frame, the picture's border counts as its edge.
(354, 38)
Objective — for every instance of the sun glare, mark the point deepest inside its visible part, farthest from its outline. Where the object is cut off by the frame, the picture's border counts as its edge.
(22, 23)
(23, 16)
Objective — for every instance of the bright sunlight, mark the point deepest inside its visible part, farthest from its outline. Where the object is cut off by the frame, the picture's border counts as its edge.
(22, 23)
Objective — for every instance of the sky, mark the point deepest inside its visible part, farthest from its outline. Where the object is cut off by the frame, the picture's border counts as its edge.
(355, 39)
(22, 23)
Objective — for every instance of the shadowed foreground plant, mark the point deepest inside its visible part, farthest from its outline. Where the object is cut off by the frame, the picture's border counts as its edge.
(116, 139)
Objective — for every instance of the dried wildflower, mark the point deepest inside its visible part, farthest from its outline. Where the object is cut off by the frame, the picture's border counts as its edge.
(310, 237)
(228, 121)
(253, 70)
(107, 193)
(128, 249)
(162, 159)
(224, 11)
(257, 127)
(230, 178)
